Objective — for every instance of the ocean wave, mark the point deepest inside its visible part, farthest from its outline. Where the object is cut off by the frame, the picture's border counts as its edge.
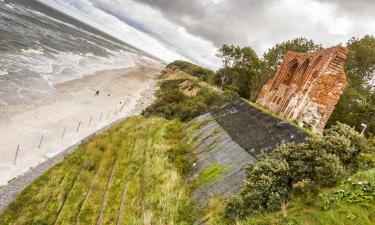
(33, 51)
(3, 72)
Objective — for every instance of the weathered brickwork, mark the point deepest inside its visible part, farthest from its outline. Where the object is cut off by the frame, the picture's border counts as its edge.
(307, 86)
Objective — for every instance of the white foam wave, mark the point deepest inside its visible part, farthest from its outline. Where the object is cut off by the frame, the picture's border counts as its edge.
(3, 72)
(33, 51)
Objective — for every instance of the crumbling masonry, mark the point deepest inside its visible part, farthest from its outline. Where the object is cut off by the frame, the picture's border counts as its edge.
(307, 86)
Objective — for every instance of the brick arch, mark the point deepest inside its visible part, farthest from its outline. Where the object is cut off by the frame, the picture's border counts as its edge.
(290, 72)
(302, 72)
(311, 70)
(317, 86)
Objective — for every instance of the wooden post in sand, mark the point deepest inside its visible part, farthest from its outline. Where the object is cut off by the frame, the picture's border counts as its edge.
(15, 157)
(109, 112)
(122, 107)
(101, 115)
(90, 121)
(62, 136)
(41, 140)
(79, 124)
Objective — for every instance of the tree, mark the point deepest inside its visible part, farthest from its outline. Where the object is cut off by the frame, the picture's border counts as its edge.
(239, 68)
(357, 104)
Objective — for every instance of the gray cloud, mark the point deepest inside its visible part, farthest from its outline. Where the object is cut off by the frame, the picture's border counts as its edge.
(263, 23)
(194, 29)
(357, 7)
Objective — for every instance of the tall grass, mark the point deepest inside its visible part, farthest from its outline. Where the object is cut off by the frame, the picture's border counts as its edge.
(129, 166)
(356, 208)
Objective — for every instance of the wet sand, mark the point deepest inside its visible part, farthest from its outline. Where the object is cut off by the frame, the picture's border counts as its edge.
(71, 108)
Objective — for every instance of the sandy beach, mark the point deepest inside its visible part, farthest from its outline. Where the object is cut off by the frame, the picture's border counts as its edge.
(49, 125)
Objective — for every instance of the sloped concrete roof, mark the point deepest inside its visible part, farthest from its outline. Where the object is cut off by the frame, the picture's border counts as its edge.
(234, 136)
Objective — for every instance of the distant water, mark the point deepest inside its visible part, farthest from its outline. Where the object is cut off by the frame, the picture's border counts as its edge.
(38, 51)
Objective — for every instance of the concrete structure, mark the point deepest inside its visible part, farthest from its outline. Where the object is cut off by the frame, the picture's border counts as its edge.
(307, 86)
(234, 136)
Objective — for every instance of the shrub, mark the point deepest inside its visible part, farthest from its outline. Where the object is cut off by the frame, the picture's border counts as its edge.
(192, 69)
(171, 103)
(320, 162)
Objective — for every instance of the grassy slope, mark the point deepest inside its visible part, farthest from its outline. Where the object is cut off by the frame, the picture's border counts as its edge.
(133, 175)
(356, 208)
(352, 202)
(124, 174)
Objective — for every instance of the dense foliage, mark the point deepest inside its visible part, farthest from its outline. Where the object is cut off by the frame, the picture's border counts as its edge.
(192, 69)
(320, 162)
(172, 103)
(357, 104)
(241, 67)
(243, 71)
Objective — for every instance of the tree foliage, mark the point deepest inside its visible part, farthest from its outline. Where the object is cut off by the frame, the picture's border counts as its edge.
(357, 104)
(240, 68)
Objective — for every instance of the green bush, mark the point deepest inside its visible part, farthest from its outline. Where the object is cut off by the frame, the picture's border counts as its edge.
(320, 162)
(171, 103)
(192, 69)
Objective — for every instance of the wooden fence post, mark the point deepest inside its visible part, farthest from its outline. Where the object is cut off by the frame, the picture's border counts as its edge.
(79, 124)
(122, 106)
(15, 157)
(90, 121)
(41, 140)
(62, 136)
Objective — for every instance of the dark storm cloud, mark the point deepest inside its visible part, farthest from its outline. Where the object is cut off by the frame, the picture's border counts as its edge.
(220, 22)
(195, 29)
(262, 23)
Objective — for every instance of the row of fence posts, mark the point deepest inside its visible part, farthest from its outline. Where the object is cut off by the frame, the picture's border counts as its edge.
(65, 129)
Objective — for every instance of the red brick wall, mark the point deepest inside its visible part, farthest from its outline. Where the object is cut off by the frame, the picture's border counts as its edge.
(307, 86)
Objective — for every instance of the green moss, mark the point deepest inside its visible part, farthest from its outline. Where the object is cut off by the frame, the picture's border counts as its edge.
(209, 175)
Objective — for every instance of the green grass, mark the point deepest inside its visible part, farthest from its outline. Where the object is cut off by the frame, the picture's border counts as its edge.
(172, 103)
(209, 175)
(125, 174)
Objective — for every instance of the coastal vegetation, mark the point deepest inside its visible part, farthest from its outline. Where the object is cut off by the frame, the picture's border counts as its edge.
(299, 168)
(184, 97)
(139, 172)
(127, 175)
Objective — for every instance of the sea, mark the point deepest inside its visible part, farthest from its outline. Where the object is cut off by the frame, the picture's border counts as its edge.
(41, 47)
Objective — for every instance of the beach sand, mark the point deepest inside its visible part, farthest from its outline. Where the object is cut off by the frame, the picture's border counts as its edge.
(38, 127)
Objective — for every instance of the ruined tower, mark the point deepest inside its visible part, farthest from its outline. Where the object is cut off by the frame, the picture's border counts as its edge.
(307, 86)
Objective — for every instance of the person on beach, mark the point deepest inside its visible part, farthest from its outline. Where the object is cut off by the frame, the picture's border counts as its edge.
(97, 93)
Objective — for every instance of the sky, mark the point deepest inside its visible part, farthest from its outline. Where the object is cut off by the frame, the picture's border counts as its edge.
(194, 29)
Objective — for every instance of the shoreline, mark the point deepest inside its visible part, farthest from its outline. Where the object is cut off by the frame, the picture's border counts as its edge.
(51, 125)
(15, 186)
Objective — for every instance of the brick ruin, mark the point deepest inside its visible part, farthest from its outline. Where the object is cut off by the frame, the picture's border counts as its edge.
(307, 86)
